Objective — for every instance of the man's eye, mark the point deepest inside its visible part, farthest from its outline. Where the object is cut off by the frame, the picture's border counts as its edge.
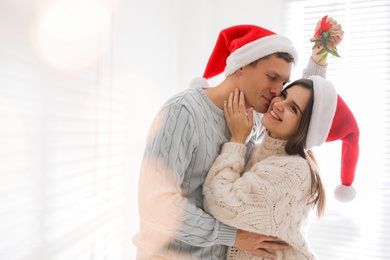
(271, 77)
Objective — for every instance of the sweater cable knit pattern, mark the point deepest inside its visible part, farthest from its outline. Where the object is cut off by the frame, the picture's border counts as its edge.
(184, 140)
(270, 198)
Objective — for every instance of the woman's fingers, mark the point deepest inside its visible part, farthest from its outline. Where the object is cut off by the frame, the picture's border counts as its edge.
(236, 104)
(236, 100)
(242, 102)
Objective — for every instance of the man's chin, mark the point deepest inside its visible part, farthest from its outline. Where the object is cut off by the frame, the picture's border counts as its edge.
(261, 110)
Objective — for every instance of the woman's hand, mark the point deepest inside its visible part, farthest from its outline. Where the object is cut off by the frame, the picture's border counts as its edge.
(337, 36)
(239, 120)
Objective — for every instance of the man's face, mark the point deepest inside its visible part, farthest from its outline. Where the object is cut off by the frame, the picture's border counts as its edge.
(263, 82)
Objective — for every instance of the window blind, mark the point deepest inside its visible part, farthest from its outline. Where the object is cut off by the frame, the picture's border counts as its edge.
(358, 229)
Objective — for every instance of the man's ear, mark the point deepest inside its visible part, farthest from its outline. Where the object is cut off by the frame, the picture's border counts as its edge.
(239, 72)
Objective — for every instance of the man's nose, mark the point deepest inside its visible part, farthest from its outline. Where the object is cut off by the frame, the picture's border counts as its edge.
(276, 89)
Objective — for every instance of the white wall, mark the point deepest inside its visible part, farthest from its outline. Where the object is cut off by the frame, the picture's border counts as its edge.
(61, 133)
(146, 44)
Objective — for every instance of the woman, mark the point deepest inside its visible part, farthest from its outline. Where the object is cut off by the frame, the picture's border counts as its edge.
(281, 183)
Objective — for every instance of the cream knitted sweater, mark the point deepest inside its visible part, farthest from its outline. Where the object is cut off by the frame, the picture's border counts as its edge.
(270, 197)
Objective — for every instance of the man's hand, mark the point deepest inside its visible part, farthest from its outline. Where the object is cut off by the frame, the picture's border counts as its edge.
(258, 244)
(337, 37)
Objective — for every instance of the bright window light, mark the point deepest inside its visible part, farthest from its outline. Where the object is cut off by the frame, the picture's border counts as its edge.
(357, 230)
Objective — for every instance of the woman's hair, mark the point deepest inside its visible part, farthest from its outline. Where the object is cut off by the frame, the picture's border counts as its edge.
(297, 144)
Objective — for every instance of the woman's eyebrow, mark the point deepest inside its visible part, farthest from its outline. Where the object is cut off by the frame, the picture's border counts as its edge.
(295, 104)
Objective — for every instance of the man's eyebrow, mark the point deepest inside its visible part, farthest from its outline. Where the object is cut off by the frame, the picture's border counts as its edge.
(285, 80)
(277, 74)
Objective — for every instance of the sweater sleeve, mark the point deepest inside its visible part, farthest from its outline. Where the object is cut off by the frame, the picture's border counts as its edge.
(172, 140)
(314, 69)
(255, 201)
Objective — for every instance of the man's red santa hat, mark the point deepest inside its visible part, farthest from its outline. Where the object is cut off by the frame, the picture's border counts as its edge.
(332, 120)
(239, 45)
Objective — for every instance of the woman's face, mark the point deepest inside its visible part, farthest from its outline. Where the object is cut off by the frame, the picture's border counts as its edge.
(285, 112)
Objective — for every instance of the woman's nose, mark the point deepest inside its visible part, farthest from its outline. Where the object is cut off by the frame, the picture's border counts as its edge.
(279, 105)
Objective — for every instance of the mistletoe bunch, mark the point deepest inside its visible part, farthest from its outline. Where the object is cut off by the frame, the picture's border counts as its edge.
(323, 40)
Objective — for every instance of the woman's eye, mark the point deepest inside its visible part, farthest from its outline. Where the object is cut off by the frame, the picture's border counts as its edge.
(294, 109)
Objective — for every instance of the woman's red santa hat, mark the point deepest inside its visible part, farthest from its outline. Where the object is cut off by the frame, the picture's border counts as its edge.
(239, 45)
(333, 120)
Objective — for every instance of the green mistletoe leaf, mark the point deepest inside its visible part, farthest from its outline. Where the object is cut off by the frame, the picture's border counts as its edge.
(323, 39)
(323, 57)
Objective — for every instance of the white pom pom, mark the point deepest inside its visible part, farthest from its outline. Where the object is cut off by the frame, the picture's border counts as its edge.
(199, 82)
(344, 193)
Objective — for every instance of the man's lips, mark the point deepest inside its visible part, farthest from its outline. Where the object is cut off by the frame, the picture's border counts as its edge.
(268, 99)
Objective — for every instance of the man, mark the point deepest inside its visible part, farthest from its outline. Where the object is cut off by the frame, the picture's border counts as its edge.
(186, 137)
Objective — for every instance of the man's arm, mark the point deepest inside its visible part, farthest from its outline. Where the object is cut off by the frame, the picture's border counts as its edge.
(258, 244)
(161, 204)
(172, 140)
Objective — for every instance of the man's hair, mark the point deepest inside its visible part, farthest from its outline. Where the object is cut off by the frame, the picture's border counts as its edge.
(283, 55)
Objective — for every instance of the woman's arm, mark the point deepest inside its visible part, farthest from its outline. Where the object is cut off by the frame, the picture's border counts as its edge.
(249, 202)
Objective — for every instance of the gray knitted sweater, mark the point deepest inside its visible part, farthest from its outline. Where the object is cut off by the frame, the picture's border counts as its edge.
(185, 138)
